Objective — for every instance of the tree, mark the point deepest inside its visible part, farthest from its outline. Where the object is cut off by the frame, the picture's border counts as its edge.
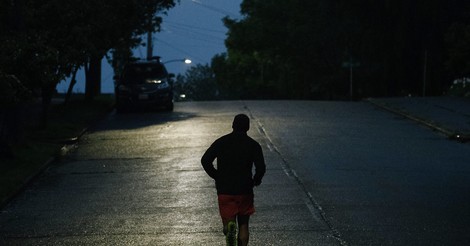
(275, 47)
(198, 84)
(297, 48)
(458, 40)
(45, 41)
(66, 35)
(117, 24)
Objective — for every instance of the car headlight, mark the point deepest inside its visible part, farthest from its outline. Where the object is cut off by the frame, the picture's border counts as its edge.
(153, 81)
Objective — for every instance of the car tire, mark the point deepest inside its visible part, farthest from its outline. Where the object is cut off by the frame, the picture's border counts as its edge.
(120, 109)
(170, 107)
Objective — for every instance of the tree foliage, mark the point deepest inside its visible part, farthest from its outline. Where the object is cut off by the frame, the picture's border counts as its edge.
(458, 40)
(303, 49)
(198, 83)
(45, 41)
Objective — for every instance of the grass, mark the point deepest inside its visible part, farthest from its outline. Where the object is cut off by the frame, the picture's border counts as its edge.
(42, 144)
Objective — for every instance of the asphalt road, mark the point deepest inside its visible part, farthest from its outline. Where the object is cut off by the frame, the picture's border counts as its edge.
(339, 173)
(380, 179)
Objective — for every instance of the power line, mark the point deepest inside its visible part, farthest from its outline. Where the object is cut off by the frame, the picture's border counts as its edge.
(188, 30)
(218, 10)
(196, 35)
(193, 27)
(180, 50)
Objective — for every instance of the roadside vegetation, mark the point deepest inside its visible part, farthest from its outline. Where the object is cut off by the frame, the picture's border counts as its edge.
(44, 42)
(320, 49)
(39, 144)
(338, 50)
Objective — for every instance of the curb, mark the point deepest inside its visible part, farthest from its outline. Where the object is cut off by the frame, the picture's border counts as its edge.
(27, 181)
(68, 145)
(450, 134)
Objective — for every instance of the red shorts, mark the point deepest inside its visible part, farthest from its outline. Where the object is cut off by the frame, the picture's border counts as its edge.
(232, 205)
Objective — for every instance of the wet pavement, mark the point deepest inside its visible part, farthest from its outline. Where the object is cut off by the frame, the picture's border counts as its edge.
(448, 115)
(339, 173)
(136, 179)
(379, 178)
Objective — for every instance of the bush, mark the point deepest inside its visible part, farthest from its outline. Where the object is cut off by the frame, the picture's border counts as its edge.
(460, 87)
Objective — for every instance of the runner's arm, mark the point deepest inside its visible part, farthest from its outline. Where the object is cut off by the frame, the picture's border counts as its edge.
(207, 162)
(260, 166)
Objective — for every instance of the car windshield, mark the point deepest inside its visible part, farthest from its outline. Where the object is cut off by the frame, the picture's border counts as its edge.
(140, 73)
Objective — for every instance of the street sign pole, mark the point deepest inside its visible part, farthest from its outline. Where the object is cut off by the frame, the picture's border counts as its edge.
(351, 65)
(350, 79)
(424, 71)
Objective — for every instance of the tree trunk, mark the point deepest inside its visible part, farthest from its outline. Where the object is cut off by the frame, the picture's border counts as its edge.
(93, 77)
(73, 81)
(46, 94)
(17, 15)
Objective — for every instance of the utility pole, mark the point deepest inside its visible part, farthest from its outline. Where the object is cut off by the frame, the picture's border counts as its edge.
(149, 45)
(424, 71)
(149, 38)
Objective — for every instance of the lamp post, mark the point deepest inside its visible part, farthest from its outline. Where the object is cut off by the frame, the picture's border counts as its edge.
(178, 89)
(185, 60)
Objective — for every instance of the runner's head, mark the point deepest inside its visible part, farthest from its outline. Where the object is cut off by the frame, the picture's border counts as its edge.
(241, 123)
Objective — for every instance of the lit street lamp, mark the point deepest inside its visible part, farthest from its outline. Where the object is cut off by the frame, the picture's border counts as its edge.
(185, 60)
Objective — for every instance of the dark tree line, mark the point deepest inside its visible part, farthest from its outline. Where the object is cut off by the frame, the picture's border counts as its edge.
(306, 49)
(45, 41)
(198, 84)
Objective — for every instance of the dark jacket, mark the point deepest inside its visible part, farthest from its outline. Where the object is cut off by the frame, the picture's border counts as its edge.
(236, 153)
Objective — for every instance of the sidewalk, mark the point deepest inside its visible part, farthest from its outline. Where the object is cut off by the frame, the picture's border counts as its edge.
(448, 115)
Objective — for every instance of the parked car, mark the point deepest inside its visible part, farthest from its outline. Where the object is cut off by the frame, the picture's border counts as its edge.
(144, 84)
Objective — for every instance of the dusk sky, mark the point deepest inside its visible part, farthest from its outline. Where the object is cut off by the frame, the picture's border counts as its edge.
(192, 29)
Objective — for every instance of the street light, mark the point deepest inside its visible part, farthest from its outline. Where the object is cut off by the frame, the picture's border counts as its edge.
(185, 60)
